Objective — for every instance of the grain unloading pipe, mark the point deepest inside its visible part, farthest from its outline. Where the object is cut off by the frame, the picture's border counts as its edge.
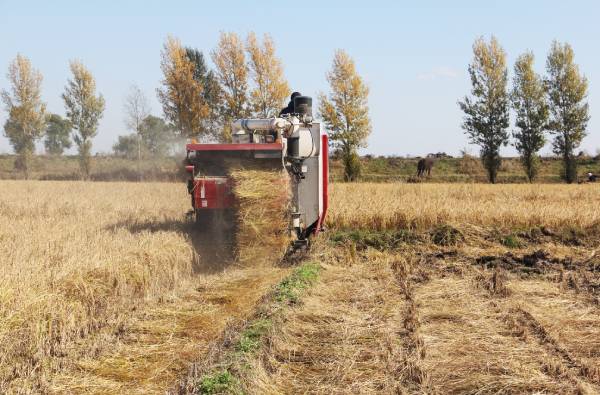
(266, 124)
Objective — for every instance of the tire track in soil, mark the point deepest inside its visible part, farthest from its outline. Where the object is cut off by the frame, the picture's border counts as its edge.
(410, 366)
(566, 326)
(469, 348)
(522, 324)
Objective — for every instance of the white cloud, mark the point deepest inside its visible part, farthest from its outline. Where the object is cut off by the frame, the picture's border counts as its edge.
(438, 73)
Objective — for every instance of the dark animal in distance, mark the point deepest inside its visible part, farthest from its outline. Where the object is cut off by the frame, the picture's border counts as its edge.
(424, 167)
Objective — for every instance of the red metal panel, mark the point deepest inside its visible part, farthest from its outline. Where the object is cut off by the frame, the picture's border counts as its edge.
(212, 193)
(325, 169)
(235, 147)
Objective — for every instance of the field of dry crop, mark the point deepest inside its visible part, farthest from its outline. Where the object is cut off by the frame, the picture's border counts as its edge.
(104, 288)
(446, 289)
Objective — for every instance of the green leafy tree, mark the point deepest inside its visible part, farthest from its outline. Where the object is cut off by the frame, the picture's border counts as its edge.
(154, 139)
(346, 112)
(26, 111)
(127, 146)
(569, 112)
(58, 131)
(157, 135)
(529, 102)
(84, 110)
(486, 118)
(211, 92)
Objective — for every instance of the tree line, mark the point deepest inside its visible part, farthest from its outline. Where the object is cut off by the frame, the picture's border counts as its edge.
(197, 102)
(554, 104)
(28, 121)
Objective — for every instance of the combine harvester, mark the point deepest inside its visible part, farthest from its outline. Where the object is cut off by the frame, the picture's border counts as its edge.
(293, 141)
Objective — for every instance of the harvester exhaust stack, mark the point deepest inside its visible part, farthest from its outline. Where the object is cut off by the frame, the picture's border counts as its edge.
(293, 141)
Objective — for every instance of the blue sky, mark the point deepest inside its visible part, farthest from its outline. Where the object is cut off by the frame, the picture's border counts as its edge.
(413, 55)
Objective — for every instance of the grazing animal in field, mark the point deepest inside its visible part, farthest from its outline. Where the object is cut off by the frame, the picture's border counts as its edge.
(424, 166)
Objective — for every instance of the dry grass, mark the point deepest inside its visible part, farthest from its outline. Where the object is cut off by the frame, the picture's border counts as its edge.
(455, 325)
(263, 215)
(94, 274)
(72, 264)
(102, 291)
(423, 206)
(342, 339)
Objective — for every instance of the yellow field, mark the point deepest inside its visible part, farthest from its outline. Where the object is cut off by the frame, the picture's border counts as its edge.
(421, 206)
(89, 267)
(102, 290)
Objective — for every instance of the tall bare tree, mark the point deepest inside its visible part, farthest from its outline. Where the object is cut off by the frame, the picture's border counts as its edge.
(136, 109)
(84, 111)
(232, 73)
(486, 118)
(181, 94)
(569, 112)
(529, 102)
(270, 87)
(26, 111)
(346, 112)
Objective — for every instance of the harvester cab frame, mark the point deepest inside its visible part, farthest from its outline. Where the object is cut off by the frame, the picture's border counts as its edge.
(295, 142)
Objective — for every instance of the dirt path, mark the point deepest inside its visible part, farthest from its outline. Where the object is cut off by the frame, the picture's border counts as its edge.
(156, 346)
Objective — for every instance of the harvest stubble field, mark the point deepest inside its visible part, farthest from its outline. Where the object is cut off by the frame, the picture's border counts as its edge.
(423, 288)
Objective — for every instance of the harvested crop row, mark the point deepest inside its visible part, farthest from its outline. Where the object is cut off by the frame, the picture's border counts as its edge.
(565, 323)
(341, 338)
(159, 343)
(468, 347)
(411, 369)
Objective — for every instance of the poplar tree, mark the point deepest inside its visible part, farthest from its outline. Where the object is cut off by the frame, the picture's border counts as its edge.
(232, 72)
(26, 111)
(569, 112)
(345, 112)
(270, 89)
(84, 110)
(528, 99)
(486, 111)
(181, 94)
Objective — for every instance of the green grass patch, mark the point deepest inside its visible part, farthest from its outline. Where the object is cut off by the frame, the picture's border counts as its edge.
(251, 337)
(219, 383)
(225, 380)
(511, 241)
(288, 291)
